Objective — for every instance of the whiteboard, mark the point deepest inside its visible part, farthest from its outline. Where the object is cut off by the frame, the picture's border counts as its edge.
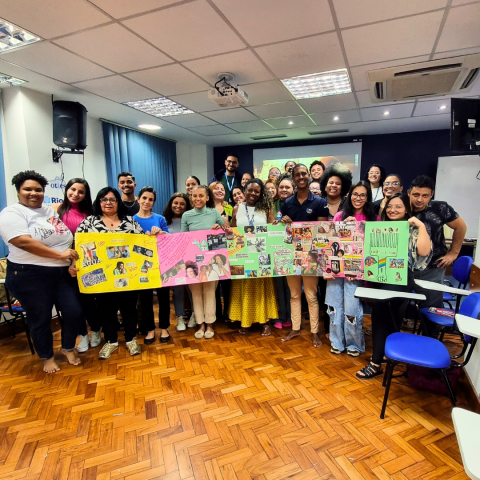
(457, 184)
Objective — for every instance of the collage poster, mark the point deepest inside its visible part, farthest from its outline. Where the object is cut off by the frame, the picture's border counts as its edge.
(193, 257)
(386, 252)
(113, 262)
(259, 251)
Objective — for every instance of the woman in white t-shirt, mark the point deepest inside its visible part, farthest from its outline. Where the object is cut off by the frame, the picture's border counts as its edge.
(40, 253)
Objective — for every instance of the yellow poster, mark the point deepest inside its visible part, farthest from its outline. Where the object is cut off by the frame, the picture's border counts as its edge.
(112, 262)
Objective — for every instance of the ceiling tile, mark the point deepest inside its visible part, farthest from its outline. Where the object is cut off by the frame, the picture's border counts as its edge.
(271, 21)
(401, 38)
(461, 2)
(244, 65)
(456, 53)
(267, 92)
(169, 80)
(345, 116)
(231, 116)
(364, 100)
(359, 74)
(358, 12)
(462, 29)
(213, 130)
(53, 61)
(248, 127)
(188, 31)
(330, 103)
(284, 123)
(124, 8)
(432, 107)
(396, 111)
(274, 110)
(198, 102)
(52, 18)
(190, 120)
(117, 88)
(114, 47)
(307, 55)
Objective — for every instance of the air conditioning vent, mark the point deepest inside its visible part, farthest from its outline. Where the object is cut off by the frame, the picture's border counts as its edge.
(269, 137)
(328, 132)
(422, 80)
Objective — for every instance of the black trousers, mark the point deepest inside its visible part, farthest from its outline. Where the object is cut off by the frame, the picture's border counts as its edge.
(90, 312)
(108, 305)
(147, 323)
(382, 325)
(283, 299)
(321, 291)
(225, 285)
(38, 289)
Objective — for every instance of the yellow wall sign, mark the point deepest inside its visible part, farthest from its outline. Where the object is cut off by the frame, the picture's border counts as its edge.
(112, 262)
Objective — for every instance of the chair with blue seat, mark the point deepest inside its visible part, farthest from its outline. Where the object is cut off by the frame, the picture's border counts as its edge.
(461, 273)
(447, 324)
(426, 352)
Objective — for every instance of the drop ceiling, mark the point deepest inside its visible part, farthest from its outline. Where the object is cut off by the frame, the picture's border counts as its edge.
(105, 52)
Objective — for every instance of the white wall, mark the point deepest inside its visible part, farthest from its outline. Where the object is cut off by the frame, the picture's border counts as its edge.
(28, 134)
(193, 160)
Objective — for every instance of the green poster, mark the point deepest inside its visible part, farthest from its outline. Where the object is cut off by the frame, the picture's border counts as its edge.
(260, 251)
(386, 252)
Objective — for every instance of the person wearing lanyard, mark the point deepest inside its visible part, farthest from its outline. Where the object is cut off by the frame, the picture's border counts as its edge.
(304, 206)
(229, 177)
(376, 176)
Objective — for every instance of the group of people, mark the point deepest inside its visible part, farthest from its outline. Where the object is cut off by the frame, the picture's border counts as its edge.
(41, 265)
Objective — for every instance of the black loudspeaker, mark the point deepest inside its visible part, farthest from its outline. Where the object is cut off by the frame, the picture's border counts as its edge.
(69, 125)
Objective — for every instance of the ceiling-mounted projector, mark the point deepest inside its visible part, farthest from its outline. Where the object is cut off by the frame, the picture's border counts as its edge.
(225, 94)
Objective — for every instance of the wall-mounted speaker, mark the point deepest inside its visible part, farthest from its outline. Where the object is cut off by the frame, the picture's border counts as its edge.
(69, 125)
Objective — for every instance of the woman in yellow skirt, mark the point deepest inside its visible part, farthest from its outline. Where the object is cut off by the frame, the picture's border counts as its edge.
(253, 300)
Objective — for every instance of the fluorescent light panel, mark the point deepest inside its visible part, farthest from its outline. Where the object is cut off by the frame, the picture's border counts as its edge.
(12, 36)
(159, 107)
(148, 126)
(11, 81)
(317, 85)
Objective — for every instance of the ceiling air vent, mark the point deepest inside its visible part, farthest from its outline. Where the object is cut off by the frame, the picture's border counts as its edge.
(448, 76)
(328, 132)
(269, 137)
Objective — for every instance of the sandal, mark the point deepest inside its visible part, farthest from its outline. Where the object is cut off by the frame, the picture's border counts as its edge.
(368, 332)
(369, 372)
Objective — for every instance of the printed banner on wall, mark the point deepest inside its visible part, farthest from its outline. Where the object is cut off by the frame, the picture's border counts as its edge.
(386, 252)
(112, 262)
(193, 257)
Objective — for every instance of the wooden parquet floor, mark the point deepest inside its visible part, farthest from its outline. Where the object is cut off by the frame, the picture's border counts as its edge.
(229, 408)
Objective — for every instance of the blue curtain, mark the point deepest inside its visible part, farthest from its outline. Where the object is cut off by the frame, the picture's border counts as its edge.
(152, 161)
(3, 194)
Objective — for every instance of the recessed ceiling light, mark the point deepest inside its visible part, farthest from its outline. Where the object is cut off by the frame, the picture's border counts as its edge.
(386, 113)
(149, 126)
(8, 80)
(12, 36)
(321, 84)
(336, 118)
(442, 107)
(290, 122)
(159, 107)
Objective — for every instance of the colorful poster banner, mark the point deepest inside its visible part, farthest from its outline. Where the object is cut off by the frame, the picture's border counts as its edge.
(193, 257)
(386, 252)
(113, 262)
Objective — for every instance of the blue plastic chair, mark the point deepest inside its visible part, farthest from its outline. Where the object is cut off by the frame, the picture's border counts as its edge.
(425, 351)
(468, 306)
(461, 273)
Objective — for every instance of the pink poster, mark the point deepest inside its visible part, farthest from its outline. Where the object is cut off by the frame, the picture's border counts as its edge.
(193, 257)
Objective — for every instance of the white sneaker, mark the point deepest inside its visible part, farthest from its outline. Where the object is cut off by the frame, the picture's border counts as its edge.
(84, 344)
(96, 339)
(192, 322)
(181, 324)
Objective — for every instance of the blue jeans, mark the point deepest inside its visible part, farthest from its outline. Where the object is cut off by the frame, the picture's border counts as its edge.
(179, 298)
(346, 314)
(38, 289)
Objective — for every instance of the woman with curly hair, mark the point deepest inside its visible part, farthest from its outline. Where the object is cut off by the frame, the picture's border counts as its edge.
(375, 176)
(335, 184)
(253, 301)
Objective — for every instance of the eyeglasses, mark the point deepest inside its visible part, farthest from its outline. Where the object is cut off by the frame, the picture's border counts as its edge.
(317, 189)
(231, 161)
(362, 196)
(393, 184)
(394, 207)
(108, 200)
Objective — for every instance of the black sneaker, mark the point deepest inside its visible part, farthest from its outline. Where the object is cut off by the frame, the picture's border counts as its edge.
(353, 353)
(335, 350)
